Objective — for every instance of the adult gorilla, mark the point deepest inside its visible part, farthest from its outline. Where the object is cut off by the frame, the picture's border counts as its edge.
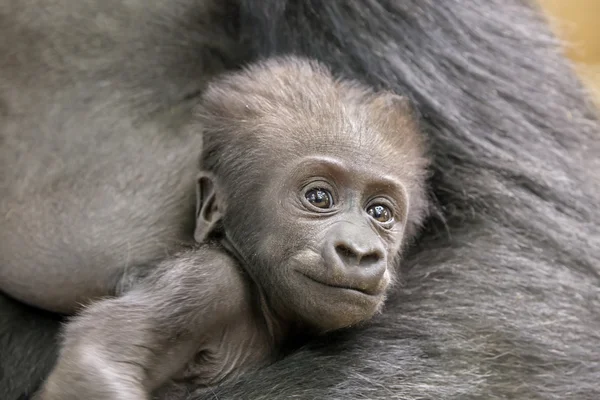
(502, 294)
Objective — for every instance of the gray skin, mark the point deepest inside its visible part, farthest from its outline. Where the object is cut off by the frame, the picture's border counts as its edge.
(296, 234)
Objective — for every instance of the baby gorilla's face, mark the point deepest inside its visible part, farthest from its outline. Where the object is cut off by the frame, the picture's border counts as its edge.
(322, 238)
(318, 176)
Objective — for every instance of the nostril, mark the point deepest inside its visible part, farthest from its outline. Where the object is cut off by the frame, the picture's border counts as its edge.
(370, 259)
(345, 252)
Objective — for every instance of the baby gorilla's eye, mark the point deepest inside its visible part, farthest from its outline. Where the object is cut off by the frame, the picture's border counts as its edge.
(380, 213)
(320, 198)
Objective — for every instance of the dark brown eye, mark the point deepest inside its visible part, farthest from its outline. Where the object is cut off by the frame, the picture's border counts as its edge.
(320, 198)
(380, 213)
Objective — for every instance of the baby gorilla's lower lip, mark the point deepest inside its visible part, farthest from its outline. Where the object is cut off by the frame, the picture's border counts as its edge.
(362, 291)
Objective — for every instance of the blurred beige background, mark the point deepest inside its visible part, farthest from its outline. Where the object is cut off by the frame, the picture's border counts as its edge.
(577, 23)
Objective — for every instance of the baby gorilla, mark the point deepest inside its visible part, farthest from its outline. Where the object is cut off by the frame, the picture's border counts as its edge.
(310, 187)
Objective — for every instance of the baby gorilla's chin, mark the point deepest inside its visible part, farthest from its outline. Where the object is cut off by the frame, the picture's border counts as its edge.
(312, 294)
(327, 308)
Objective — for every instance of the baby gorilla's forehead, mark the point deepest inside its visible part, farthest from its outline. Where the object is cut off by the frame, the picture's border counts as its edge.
(374, 132)
(349, 163)
(361, 145)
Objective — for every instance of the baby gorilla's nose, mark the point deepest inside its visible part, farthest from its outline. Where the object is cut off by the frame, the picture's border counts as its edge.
(352, 254)
(357, 260)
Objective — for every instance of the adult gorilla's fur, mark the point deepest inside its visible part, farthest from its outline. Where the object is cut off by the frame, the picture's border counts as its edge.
(502, 299)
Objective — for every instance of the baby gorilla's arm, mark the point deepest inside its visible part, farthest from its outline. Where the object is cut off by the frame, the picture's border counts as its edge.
(123, 348)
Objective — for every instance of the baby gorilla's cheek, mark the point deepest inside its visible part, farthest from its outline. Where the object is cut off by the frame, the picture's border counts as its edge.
(270, 247)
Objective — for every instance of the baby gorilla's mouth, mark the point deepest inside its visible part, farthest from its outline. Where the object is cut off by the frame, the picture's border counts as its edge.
(362, 291)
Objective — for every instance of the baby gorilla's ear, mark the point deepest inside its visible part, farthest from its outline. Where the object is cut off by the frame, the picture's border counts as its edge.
(208, 206)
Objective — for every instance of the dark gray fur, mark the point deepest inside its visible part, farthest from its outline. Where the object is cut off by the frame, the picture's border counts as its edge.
(500, 301)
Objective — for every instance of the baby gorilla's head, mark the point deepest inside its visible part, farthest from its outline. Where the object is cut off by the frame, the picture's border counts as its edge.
(316, 183)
